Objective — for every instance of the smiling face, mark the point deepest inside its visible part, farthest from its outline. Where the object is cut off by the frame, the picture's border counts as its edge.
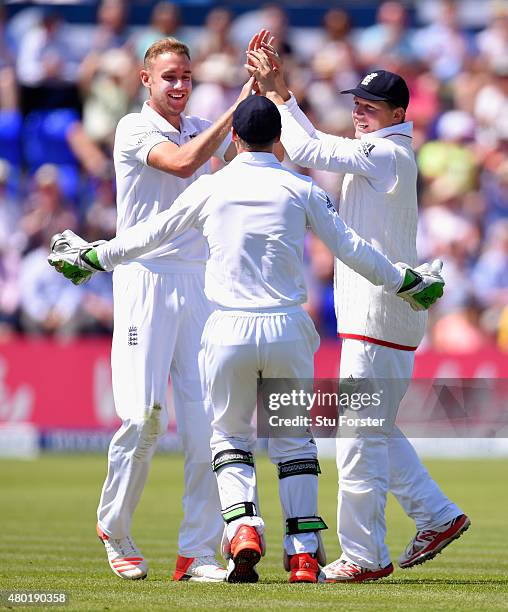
(168, 77)
(372, 115)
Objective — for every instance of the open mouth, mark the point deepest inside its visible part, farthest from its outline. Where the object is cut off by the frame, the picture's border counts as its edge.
(177, 96)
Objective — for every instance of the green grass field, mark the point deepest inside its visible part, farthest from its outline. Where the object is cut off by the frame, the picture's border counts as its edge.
(48, 543)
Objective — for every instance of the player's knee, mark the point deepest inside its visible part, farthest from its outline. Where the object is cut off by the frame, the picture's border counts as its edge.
(149, 432)
(281, 450)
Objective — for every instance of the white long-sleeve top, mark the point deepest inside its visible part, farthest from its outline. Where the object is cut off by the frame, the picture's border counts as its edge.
(144, 191)
(254, 214)
(378, 200)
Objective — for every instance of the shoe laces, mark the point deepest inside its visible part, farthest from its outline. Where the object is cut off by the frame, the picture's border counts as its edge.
(341, 562)
(121, 547)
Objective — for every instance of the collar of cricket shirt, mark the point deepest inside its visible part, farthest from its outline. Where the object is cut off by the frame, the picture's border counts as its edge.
(257, 157)
(401, 129)
(186, 126)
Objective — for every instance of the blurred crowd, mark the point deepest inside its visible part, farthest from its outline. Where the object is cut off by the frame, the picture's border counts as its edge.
(63, 88)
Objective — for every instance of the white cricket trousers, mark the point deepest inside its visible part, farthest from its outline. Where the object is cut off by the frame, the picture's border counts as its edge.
(371, 465)
(158, 322)
(240, 346)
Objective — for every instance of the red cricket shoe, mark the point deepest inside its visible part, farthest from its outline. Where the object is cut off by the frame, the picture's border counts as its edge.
(343, 570)
(430, 542)
(245, 553)
(304, 568)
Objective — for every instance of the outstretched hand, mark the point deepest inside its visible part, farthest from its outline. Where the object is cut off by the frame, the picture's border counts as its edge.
(265, 64)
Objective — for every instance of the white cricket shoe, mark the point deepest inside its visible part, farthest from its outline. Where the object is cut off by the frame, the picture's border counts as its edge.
(199, 569)
(125, 559)
(343, 570)
(429, 542)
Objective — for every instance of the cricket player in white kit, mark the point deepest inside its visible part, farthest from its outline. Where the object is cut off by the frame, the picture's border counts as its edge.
(254, 214)
(160, 310)
(379, 332)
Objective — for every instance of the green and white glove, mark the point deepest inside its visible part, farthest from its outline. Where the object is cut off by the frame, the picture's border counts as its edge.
(73, 257)
(422, 286)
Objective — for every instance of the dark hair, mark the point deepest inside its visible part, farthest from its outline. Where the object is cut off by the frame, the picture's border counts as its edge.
(256, 146)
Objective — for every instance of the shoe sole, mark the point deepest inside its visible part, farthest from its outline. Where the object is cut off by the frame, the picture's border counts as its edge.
(360, 579)
(429, 555)
(243, 570)
(303, 580)
(187, 578)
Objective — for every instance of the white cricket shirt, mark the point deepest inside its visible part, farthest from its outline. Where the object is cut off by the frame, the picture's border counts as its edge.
(254, 214)
(143, 191)
(378, 200)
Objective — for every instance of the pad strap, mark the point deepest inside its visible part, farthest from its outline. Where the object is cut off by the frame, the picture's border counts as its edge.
(304, 524)
(234, 455)
(297, 467)
(236, 511)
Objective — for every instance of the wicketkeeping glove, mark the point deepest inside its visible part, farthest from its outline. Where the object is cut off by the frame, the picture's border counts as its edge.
(75, 258)
(422, 286)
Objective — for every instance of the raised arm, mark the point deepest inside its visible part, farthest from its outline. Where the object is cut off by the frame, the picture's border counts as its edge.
(185, 160)
(307, 146)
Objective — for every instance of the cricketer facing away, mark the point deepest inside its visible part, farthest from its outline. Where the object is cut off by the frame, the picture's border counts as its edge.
(254, 214)
(379, 332)
(159, 312)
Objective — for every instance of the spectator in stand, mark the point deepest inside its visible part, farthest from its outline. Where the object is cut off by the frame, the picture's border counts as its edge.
(451, 156)
(276, 21)
(10, 212)
(95, 313)
(327, 79)
(47, 305)
(216, 36)
(446, 227)
(108, 94)
(458, 330)
(111, 31)
(48, 212)
(271, 16)
(11, 243)
(8, 84)
(100, 215)
(319, 277)
(10, 266)
(492, 42)
(47, 65)
(165, 21)
(494, 176)
(389, 37)
(334, 66)
(490, 273)
(491, 103)
(219, 82)
(444, 45)
(337, 36)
